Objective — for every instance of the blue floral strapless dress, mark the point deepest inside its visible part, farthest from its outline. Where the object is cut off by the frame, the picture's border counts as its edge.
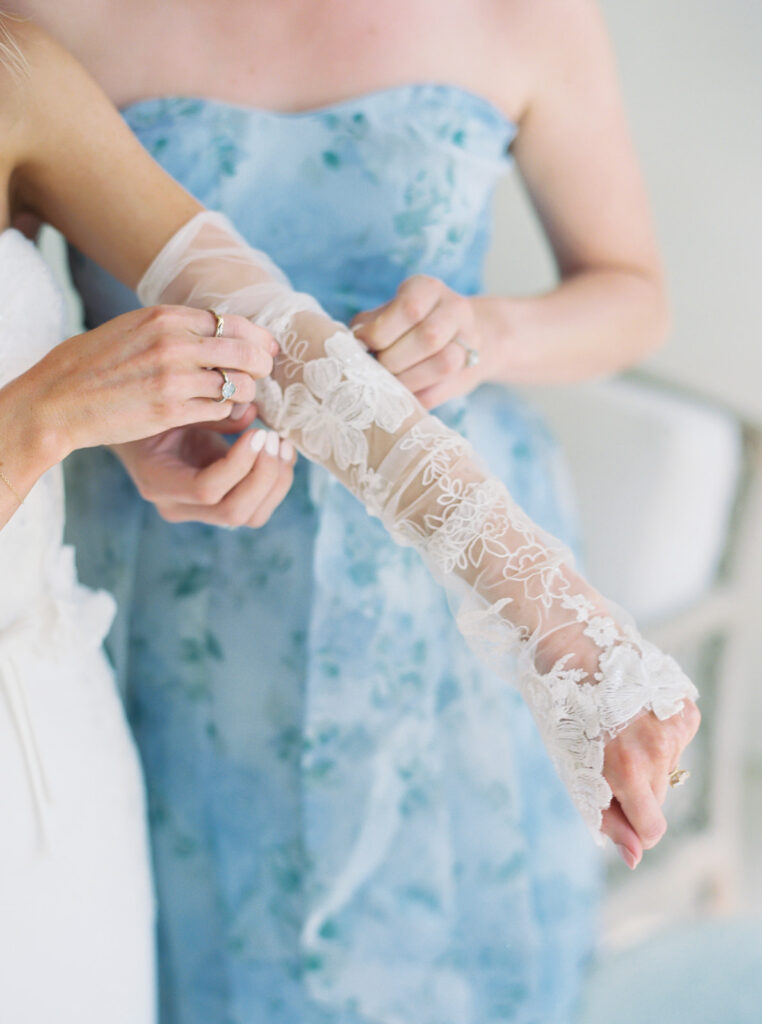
(352, 822)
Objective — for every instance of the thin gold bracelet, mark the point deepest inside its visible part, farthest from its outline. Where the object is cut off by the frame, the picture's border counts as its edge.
(11, 488)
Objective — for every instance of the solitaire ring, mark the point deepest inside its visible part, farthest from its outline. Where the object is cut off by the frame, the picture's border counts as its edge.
(228, 387)
(219, 323)
(472, 356)
(679, 776)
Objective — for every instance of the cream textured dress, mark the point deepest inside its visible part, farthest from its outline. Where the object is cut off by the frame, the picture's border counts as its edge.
(76, 905)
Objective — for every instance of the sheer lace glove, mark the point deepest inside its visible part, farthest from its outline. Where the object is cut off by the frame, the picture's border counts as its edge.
(581, 665)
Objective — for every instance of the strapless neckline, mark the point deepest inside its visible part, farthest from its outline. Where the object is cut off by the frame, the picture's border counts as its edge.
(400, 94)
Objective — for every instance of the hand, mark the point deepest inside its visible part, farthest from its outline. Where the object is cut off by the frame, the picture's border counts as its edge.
(637, 766)
(144, 372)
(414, 336)
(193, 474)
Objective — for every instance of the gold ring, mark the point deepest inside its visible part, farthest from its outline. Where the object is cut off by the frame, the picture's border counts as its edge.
(678, 776)
(219, 323)
(228, 387)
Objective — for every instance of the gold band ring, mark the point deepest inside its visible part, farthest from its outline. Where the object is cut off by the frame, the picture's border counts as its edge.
(678, 776)
(219, 323)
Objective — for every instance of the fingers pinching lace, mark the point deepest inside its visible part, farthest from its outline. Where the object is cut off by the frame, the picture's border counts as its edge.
(427, 336)
(241, 486)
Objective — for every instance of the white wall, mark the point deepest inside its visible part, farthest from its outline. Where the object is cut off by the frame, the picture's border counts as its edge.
(690, 72)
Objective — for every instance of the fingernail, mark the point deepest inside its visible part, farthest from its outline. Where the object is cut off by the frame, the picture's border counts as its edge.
(627, 856)
(237, 412)
(272, 444)
(274, 347)
(258, 439)
(286, 451)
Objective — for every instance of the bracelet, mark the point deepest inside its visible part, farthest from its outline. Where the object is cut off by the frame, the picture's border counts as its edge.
(11, 488)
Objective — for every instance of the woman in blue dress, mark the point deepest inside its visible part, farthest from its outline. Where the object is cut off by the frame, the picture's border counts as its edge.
(271, 675)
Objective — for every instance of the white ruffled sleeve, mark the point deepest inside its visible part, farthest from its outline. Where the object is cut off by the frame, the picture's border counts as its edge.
(580, 664)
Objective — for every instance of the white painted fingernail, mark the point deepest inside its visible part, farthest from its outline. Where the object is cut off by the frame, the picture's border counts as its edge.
(272, 444)
(237, 412)
(286, 451)
(258, 439)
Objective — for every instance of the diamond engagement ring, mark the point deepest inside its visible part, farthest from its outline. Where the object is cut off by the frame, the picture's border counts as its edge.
(472, 356)
(228, 387)
(219, 323)
(679, 776)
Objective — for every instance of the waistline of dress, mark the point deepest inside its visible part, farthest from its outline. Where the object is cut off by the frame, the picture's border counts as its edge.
(77, 619)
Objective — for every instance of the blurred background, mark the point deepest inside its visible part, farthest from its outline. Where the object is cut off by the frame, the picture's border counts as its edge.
(667, 464)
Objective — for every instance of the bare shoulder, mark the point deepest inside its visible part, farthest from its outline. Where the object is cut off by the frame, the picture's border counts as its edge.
(43, 90)
(42, 59)
(546, 26)
(29, 61)
(543, 40)
(40, 81)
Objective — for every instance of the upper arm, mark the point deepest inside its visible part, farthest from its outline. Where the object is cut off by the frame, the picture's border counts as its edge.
(574, 149)
(81, 169)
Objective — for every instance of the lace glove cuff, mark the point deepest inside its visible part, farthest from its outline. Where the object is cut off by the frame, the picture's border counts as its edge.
(580, 664)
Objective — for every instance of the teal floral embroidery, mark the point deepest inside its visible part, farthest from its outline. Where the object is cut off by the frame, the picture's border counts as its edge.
(188, 580)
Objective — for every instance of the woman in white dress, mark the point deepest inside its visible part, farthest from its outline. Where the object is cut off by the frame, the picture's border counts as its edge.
(74, 894)
(76, 913)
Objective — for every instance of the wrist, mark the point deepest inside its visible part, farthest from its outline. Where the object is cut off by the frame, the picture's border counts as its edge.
(506, 331)
(31, 441)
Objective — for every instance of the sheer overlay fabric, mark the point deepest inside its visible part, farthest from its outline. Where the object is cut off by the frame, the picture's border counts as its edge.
(579, 662)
